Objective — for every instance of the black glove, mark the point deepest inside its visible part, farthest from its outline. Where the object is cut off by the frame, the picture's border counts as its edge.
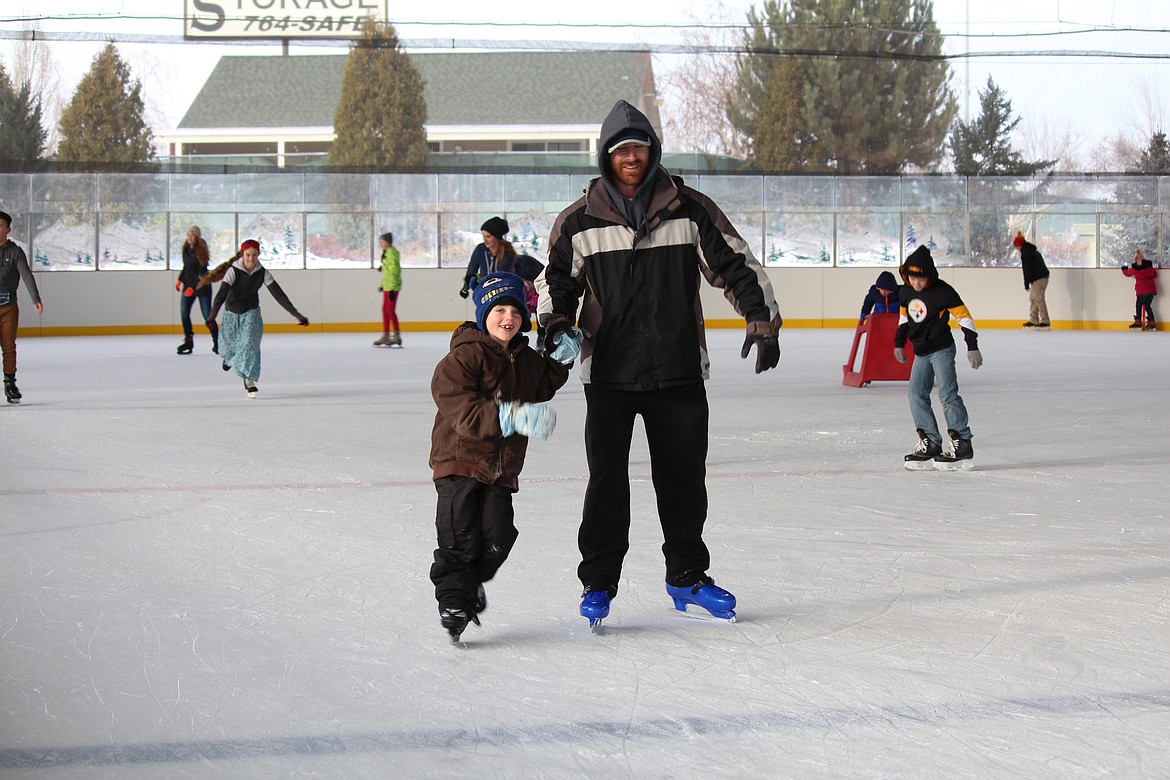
(767, 350)
(463, 292)
(550, 334)
(1125, 268)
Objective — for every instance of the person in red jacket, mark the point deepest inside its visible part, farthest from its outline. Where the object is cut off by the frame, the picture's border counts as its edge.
(1143, 273)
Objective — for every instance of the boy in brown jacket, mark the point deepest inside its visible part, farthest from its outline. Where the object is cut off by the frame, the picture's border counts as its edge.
(490, 391)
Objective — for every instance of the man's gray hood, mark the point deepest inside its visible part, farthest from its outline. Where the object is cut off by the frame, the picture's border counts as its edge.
(624, 117)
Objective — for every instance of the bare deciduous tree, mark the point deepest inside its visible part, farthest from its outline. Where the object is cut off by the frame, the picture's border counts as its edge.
(1041, 140)
(695, 90)
(32, 64)
(1122, 150)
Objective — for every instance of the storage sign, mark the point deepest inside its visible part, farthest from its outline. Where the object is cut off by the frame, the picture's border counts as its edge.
(279, 18)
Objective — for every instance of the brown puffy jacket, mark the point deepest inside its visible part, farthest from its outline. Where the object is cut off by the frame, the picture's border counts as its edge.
(467, 386)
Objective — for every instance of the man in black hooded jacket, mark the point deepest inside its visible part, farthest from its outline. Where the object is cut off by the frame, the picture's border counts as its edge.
(635, 247)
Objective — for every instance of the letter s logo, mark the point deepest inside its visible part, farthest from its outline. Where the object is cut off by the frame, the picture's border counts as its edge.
(207, 8)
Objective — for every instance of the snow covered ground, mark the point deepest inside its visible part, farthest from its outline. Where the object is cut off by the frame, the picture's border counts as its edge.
(198, 585)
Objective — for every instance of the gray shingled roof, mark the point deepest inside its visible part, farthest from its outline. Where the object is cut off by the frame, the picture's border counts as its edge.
(461, 88)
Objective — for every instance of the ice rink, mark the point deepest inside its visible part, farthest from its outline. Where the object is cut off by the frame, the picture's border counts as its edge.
(198, 585)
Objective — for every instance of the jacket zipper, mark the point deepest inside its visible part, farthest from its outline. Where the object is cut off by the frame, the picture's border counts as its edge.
(503, 445)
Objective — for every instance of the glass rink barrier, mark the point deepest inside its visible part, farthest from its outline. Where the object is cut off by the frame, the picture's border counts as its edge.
(315, 220)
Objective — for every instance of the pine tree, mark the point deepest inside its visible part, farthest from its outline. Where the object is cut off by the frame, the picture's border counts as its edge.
(1155, 158)
(775, 126)
(874, 93)
(22, 135)
(381, 112)
(105, 122)
(984, 147)
(1136, 230)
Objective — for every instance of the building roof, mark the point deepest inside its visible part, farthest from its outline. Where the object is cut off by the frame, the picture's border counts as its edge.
(461, 88)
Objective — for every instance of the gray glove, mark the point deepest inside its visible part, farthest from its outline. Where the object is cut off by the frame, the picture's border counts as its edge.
(974, 358)
(899, 354)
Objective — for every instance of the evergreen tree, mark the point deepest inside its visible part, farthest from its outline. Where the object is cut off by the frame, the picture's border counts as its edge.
(105, 122)
(984, 147)
(1137, 230)
(775, 126)
(380, 113)
(22, 135)
(874, 93)
(1155, 158)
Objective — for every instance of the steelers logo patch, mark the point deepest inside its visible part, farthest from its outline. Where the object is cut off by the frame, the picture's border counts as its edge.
(916, 310)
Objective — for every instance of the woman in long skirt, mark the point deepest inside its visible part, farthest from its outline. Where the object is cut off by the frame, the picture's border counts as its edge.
(243, 325)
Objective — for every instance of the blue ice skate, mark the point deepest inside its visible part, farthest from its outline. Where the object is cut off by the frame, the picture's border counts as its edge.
(595, 606)
(707, 595)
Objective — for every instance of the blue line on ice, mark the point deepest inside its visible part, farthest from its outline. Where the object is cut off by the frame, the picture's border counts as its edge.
(659, 728)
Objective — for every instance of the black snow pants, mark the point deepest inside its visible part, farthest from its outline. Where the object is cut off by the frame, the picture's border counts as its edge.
(676, 422)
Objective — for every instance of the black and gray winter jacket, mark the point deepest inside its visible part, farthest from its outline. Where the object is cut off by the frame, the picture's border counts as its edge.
(641, 313)
(14, 268)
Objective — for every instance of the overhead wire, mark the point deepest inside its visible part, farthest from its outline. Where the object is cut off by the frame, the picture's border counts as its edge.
(452, 43)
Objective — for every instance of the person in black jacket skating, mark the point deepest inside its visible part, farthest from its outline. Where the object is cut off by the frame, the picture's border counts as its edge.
(637, 246)
(196, 258)
(926, 305)
(243, 325)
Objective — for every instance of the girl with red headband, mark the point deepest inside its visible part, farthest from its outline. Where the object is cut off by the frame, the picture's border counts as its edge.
(243, 325)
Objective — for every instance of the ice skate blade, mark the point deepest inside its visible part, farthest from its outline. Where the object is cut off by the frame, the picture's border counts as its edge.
(725, 615)
(954, 465)
(919, 465)
(14, 401)
(594, 608)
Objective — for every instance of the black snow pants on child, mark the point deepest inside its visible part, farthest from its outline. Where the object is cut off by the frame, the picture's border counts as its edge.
(476, 531)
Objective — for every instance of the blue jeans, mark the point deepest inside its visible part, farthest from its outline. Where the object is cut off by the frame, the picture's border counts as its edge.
(927, 370)
(185, 305)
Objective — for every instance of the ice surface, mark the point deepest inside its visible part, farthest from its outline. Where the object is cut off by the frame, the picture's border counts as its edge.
(198, 585)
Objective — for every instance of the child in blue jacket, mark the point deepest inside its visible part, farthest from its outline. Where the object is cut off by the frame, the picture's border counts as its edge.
(882, 297)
